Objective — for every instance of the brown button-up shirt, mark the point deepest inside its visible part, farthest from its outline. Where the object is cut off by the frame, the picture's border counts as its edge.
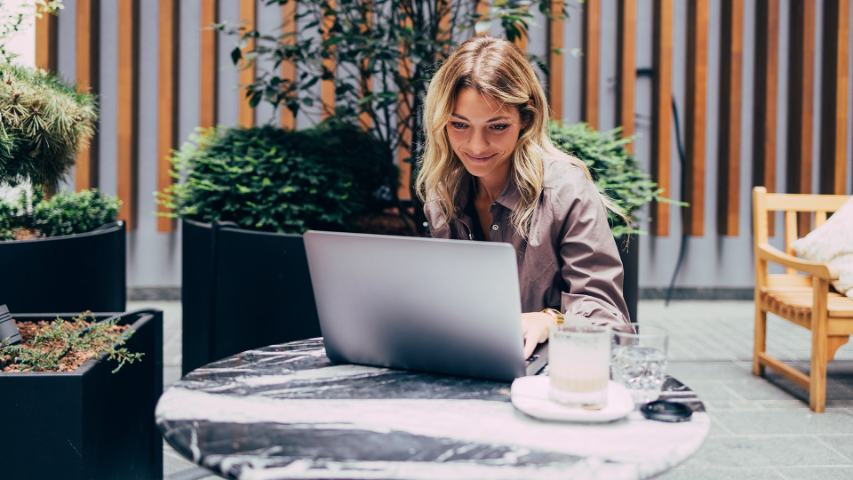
(569, 259)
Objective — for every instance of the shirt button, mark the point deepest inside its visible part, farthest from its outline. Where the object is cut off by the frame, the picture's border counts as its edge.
(494, 227)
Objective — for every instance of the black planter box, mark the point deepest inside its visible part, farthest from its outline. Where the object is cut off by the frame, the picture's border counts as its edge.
(242, 289)
(630, 255)
(90, 423)
(68, 273)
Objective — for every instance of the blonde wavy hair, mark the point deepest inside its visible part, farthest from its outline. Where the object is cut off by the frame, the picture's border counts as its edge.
(498, 69)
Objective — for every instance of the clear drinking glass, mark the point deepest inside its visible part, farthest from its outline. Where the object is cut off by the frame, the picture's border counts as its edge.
(579, 364)
(638, 360)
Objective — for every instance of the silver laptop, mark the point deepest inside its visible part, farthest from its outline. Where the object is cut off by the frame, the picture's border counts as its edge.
(434, 305)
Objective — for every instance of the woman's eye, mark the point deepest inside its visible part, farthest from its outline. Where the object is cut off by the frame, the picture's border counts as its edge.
(458, 125)
(500, 127)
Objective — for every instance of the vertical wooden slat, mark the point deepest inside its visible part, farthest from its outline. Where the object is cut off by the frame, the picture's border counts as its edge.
(800, 98)
(626, 75)
(591, 61)
(819, 218)
(366, 81)
(833, 129)
(46, 26)
(246, 113)
(327, 87)
(208, 63)
(403, 112)
(661, 109)
(764, 94)
(728, 147)
(697, 81)
(128, 109)
(87, 61)
(288, 69)
(555, 60)
(167, 122)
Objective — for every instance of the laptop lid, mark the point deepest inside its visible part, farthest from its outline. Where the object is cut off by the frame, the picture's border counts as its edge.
(435, 305)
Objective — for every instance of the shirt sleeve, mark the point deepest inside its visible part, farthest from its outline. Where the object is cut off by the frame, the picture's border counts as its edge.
(591, 267)
(438, 227)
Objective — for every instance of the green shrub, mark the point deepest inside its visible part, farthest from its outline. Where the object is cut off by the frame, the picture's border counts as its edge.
(614, 169)
(73, 212)
(271, 179)
(43, 122)
(62, 346)
(8, 220)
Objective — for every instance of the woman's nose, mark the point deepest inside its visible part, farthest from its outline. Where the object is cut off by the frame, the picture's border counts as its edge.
(479, 143)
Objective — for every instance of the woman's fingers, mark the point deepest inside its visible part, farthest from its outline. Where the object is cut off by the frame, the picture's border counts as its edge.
(530, 342)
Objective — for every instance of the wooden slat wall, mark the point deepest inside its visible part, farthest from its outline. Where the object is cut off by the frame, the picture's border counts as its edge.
(555, 60)
(246, 115)
(87, 25)
(833, 124)
(167, 116)
(728, 147)
(208, 63)
(662, 110)
(45, 27)
(288, 70)
(697, 82)
(764, 94)
(833, 75)
(327, 87)
(128, 109)
(800, 95)
(591, 61)
(626, 71)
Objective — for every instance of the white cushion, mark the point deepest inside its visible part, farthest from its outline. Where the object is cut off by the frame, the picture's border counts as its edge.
(832, 243)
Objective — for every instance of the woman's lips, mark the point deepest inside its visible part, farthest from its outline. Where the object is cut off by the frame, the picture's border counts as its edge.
(481, 158)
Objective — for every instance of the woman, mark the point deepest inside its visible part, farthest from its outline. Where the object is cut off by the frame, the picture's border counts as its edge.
(490, 172)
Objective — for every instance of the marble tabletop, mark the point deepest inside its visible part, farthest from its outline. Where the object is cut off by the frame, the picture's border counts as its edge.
(285, 411)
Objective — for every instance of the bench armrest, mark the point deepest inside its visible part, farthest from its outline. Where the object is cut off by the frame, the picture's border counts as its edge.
(820, 270)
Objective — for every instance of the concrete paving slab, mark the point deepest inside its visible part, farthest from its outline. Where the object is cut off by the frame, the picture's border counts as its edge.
(817, 473)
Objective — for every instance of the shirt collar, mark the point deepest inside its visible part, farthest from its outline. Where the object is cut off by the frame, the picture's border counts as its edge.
(509, 198)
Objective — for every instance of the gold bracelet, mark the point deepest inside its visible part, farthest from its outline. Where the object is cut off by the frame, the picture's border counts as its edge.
(554, 314)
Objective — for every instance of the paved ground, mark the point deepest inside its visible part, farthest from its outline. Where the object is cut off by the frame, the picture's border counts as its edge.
(762, 428)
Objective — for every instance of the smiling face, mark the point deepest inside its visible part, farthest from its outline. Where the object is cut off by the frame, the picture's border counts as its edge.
(483, 134)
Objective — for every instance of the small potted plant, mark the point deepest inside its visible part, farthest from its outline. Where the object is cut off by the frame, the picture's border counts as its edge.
(79, 393)
(244, 197)
(43, 123)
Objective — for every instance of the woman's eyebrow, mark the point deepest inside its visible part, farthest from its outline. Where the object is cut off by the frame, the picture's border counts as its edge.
(503, 117)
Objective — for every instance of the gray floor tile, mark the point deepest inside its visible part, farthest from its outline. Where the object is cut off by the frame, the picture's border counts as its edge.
(689, 472)
(765, 451)
(840, 443)
(817, 473)
(802, 422)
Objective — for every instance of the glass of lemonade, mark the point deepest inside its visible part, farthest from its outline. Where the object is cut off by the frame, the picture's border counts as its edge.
(638, 360)
(579, 364)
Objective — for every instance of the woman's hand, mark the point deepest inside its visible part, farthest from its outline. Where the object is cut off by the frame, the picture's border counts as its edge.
(535, 327)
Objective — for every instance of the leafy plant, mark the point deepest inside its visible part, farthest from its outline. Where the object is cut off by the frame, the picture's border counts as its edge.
(8, 214)
(63, 345)
(63, 214)
(384, 51)
(74, 212)
(614, 169)
(43, 122)
(271, 179)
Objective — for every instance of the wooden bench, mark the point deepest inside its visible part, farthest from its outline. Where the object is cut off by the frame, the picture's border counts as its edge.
(800, 295)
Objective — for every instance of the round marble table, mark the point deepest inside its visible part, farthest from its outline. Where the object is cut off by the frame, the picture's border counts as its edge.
(285, 411)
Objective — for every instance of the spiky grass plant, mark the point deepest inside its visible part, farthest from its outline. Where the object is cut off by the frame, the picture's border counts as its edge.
(43, 123)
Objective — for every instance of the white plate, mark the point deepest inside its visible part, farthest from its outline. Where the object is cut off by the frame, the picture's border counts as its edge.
(530, 395)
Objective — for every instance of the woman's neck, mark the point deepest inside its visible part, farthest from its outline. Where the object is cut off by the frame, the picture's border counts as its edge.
(489, 189)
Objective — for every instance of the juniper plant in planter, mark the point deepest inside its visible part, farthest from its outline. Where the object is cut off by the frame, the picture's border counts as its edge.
(43, 123)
